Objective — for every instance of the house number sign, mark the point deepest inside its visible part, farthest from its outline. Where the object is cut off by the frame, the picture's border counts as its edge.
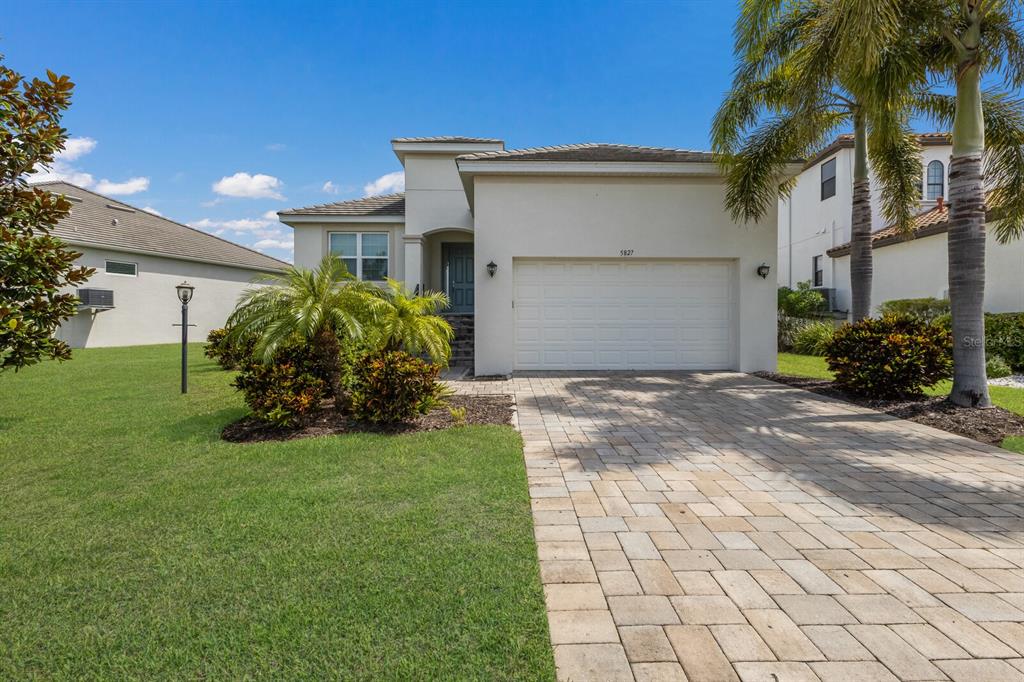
(626, 252)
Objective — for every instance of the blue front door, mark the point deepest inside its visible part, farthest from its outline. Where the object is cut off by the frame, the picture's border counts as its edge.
(458, 277)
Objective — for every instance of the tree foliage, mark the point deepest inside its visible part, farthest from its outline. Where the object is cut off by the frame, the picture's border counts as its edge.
(36, 269)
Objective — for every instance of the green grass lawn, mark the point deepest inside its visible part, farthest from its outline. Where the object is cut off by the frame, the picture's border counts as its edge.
(136, 544)
(1008, 398)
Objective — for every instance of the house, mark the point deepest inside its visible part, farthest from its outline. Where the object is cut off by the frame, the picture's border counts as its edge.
(816, 216)
(139, 258)
(574, 257)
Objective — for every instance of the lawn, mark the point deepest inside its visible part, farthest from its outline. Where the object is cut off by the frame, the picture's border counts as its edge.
(1008, 398)
(136, 544)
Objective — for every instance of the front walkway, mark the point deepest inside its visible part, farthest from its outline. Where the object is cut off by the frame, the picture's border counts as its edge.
(721, 527)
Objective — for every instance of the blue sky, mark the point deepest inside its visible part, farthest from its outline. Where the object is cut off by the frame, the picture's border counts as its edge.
(217, 113)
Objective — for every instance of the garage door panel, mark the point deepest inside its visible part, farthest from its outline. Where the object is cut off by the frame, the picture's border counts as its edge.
(623, 314)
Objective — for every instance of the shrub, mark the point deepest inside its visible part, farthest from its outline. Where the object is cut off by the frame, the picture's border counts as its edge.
(787, 330)
(800, 302)
(813, 338)
(1004, 336)
(291, 386)
(889, 357)
(997, 368)
(926, 309)
(392, 386)
(229, 354)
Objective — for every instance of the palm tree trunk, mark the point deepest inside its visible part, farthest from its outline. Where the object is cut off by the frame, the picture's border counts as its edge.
(861, 265)
(966, 238)
(328, 356)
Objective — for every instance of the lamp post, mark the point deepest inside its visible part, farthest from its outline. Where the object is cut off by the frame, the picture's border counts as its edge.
(184, 295)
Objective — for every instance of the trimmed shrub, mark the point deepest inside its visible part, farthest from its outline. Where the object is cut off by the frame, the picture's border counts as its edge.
(813, 338)
(287, 389)
(228, 354)
(391, 386)
(890, 357)
(1004, 336)
(800, 302)
(997, 368)
(925, 309)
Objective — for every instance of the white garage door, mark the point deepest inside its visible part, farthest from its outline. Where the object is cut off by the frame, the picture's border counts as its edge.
(624, 314)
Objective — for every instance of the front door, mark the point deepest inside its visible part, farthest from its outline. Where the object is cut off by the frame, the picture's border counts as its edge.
(458, 277)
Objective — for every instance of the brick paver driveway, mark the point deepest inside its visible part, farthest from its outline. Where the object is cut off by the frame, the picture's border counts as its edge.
(721, 527)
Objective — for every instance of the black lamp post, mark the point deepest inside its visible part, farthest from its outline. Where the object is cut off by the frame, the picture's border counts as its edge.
(184, 295)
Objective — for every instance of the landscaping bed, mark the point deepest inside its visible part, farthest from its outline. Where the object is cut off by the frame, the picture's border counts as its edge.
(480, 410)
(992, 425)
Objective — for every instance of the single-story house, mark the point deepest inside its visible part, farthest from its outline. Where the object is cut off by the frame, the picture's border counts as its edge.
(917, 265)
(574, 257)
(139, 258)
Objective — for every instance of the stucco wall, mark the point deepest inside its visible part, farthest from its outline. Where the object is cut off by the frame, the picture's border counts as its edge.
(311, 242)
(520, 217)
(919, 268)
(147, 305)
(434, 196)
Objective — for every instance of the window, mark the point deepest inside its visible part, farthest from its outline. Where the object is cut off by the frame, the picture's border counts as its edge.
(365, 254)
(116, 267)
(828, 179)
(819, 274)
(936, 180)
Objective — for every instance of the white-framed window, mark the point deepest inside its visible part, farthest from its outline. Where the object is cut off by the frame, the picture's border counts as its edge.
(936, 180)
(365, 254)
(123, 268)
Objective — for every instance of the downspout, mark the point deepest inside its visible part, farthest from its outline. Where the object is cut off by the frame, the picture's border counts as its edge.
(789, 215)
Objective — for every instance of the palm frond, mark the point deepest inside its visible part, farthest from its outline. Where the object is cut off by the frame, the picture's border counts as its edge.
(1004, 164)
(895, 154)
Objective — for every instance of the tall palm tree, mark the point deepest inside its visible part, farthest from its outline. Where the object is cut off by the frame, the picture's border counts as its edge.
(955, 43)
(407, 321)
(791, 92)
(325, 307)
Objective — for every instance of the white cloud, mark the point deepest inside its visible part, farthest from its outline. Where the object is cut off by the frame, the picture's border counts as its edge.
(150, 209)
(239, 225)
(76, 147)
(130, 186)
(247, 186)
(283, 243)
(62, 168)
(271, 215)
(276, 147)
(386, 184)
(330, 188)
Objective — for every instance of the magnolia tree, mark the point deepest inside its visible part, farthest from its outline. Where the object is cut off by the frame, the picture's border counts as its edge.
(35, 268)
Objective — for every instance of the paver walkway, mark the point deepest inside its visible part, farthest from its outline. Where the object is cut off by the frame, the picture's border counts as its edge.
(720, 527)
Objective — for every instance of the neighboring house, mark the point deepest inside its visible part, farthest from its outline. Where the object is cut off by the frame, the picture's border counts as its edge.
(917, 267)
(576, 257)
(139, 258)
(817, 215)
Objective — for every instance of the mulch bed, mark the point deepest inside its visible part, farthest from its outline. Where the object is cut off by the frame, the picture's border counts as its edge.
(990, 425)
(490, 409)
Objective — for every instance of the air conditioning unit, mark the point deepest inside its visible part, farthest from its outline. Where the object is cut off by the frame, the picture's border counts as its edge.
(97, 299)
(831, 304)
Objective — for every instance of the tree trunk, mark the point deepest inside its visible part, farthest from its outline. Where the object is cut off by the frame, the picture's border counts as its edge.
(966, 240)
(328, 356)
(861, 264)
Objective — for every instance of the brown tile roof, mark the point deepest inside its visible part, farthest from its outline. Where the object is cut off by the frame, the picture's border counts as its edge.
(933, 221)
(454, 139)
(100, 221)
(594, 152)
(845, 141)
(380, 205)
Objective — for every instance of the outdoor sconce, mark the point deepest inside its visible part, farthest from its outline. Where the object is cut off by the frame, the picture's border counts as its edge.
(763, 269)
(492, 268)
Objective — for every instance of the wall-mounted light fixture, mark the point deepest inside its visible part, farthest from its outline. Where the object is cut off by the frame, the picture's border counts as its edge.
(492, 268)
(763, 269)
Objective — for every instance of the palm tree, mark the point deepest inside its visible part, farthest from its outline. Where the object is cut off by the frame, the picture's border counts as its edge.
(324, 307)
(954, 43)
(792, 92)
(407, 321)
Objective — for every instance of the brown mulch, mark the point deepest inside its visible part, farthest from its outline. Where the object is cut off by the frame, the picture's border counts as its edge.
(489, 409)
(990, 425)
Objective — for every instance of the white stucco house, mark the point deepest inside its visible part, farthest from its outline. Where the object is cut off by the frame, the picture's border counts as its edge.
(575, 257)
(139, 258)
(814, 235)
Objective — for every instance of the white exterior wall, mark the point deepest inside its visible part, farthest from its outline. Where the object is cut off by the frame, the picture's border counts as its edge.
(919, 269)
(146, 305)
(312, 242)
(572, 217)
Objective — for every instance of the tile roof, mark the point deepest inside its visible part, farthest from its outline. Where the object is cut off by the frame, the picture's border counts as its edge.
(845, 141)
(933, 221)
(100, 221)
(380, 205)
(455, 139)
(594, 152)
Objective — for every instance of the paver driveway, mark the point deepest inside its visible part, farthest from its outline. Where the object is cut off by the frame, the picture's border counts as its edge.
(722, 527)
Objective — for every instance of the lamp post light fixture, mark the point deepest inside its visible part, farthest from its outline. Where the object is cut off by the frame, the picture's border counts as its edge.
(763, 269)
(492, 268)
(184, 295)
